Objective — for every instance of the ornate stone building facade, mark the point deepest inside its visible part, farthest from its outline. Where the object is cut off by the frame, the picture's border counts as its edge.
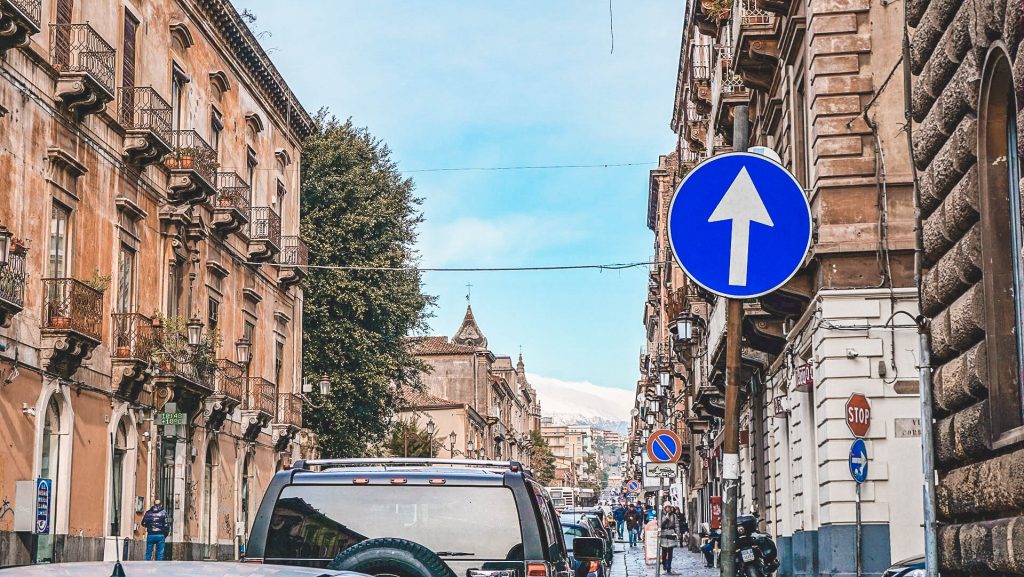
(150, 316)
(500, 406)
(967, 99)
(820, 83)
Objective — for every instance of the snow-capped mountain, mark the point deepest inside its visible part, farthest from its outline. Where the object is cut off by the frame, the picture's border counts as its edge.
(583, 403)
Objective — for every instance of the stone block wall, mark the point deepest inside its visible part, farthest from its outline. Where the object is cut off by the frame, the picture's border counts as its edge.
(981, 488)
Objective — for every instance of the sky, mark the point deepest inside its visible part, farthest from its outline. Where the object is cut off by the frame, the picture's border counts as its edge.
(481, 83)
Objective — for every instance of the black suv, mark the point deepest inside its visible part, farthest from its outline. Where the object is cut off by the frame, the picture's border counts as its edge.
(410, 517)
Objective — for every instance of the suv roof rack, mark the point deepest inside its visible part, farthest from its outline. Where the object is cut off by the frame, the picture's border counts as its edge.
(514, 466)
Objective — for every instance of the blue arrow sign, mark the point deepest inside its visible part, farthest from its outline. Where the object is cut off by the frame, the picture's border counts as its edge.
(739, 225)
(859, 461)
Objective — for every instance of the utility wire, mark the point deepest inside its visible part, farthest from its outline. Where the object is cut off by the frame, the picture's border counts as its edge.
(611, 25)
(610, 266)
(529, 167)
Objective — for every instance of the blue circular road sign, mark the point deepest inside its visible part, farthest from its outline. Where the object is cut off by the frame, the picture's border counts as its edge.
(859, 461)
(633, 486)
(739, 225)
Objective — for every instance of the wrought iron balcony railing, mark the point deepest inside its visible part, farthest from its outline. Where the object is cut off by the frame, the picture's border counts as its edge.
(229, 380)
(190, 371)
(294, 252)
(190, 152)
(77, 48)
(751, 15)
(700, 62)
(72, 305)
(30, 9)
(135, 337)
(12, 280)
(260, 395)
(265, 224)
(232, 192)
(142, 108)
(289, 409)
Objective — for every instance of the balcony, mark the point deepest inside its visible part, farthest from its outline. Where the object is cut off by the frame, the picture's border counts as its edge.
(231, 203)
(135, 339)
(193, 166)
(146, 118)
(295, 255)
(711, 14)
(191, 382)
(264, 234)
(757, 45)
(700, 77)
(228, 392)
(732, 93)
(289, 420)
(71, 325)
(85, 66)
(19, 20)
(259, 405)
(12, 287)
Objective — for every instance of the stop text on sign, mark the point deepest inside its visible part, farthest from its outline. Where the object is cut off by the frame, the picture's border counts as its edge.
(858, 415)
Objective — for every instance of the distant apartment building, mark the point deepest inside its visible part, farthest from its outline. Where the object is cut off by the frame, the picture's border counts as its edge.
(486, 401)
(150, 312)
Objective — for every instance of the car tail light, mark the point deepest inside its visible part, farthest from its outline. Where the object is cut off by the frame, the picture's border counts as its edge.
(253, 561)
(437, 481)
(360, 481)
(399, 481)
(536, 570)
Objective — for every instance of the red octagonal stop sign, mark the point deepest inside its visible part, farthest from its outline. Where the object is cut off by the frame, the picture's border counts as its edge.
(858, 414)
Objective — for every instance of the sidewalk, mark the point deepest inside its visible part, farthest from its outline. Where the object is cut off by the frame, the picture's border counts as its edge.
(630, 563)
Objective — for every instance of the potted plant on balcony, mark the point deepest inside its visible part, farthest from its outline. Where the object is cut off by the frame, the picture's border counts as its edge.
(183, 158)
(18, 247)
(98, 282)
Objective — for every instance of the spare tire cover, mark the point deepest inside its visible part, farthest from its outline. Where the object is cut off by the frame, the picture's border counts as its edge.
(391, 556)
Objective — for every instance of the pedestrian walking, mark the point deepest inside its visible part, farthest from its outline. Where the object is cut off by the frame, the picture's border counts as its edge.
(619, 514)
(633, 523)
(669, 536)
(155, 522)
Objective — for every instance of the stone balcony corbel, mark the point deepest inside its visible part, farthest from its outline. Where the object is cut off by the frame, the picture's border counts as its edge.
(84, 62)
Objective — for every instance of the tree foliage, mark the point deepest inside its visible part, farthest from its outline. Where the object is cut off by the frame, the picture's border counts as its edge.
(357, 210)
(408, 440)
(542, 459)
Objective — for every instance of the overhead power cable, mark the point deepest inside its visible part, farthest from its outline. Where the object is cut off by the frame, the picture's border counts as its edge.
(529, 167)
(610, 266)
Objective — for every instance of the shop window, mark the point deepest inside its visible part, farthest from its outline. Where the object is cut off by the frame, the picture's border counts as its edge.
(999, 180)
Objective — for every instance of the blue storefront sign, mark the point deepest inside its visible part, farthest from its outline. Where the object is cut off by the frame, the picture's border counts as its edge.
(44, 495)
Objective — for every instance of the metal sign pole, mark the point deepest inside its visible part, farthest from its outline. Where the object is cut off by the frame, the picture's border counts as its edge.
(733, 359)
(860, 538)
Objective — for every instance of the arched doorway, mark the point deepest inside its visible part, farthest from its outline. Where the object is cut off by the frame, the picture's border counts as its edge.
(246, 488)
(119, 481)
(209, 513)
(51, 464)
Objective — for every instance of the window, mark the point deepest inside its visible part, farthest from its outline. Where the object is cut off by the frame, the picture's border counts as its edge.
(60, 216)
(212, 314)
(131, 27)
(801, 154)
(175, 287)
(999, 180)
(49, 468)
(117, 471)
(249, 332)
(178, 80)
(278, 363)
(245, 496)
(126, 280)
(209, 519)
(216, 127)
(250, 164)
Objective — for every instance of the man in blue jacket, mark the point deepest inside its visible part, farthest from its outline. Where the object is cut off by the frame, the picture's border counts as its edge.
(619, 514)
(155, 522)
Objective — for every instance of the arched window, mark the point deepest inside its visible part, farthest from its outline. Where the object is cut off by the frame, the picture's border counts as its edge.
(50, 468)
(1002, 241)
(117, 477)
(209, 518)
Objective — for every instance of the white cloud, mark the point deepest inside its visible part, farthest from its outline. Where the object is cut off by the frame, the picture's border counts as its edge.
(568, 400)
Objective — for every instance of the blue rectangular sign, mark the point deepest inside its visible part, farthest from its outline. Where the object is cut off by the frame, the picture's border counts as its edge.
(44, 495)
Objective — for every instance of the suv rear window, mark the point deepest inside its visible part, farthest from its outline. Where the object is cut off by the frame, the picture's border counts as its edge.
(311, 524)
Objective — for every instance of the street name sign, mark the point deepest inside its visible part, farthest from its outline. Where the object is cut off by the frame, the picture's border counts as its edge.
(859, 461)
(633, 486)
(666, 470)
(739, 225)
(663, 446)
(858, 415)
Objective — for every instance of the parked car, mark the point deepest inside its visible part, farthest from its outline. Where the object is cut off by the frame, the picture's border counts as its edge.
(912, 567)
(593, 518)
(414, 517)
(170, 569)
(572, 531)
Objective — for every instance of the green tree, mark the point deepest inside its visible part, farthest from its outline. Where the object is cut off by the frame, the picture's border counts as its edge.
(408, 440)
(542, 459)
(358, 211)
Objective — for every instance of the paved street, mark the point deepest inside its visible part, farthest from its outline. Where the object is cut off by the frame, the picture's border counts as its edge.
(629, 562)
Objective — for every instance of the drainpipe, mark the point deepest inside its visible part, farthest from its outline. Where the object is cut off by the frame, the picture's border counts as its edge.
(931, 548)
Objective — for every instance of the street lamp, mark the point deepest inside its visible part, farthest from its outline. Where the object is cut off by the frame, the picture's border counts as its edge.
(5, 243)
(194, 331)
(452, 437)
(470, 448)
(243, 351)
(431, 428)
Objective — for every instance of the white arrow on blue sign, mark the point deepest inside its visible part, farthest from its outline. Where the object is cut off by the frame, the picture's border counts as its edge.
(859, 461)
(739, 225)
